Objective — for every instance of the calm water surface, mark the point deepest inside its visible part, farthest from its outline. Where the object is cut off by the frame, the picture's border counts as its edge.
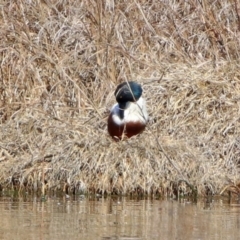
(116, 219)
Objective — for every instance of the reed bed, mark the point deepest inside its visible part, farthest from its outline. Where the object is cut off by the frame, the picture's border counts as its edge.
(60, 62)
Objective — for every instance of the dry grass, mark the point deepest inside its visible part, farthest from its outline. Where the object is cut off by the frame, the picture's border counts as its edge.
(60, 62)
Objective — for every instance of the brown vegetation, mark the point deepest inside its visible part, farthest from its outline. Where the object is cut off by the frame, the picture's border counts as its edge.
(60, 62)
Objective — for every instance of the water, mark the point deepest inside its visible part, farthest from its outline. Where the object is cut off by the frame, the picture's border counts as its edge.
(116, 219)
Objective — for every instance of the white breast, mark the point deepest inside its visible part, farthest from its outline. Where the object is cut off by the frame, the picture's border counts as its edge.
(134, 112)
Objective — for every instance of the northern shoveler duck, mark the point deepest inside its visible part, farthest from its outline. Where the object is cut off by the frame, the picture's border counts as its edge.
(128, 117)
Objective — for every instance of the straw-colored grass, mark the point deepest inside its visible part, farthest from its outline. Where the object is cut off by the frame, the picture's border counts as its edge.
(60, 62)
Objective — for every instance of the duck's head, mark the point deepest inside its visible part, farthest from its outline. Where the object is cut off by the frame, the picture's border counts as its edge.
(127, 92)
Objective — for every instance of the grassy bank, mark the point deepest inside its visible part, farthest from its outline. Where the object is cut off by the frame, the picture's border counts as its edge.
(60, 62)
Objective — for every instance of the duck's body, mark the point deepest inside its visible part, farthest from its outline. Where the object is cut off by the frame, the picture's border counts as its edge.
(129, 116)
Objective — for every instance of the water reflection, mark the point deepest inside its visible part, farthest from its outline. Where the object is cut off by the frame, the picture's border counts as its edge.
(116, 219)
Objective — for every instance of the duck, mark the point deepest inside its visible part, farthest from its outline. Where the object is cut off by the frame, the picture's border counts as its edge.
(129, 116)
